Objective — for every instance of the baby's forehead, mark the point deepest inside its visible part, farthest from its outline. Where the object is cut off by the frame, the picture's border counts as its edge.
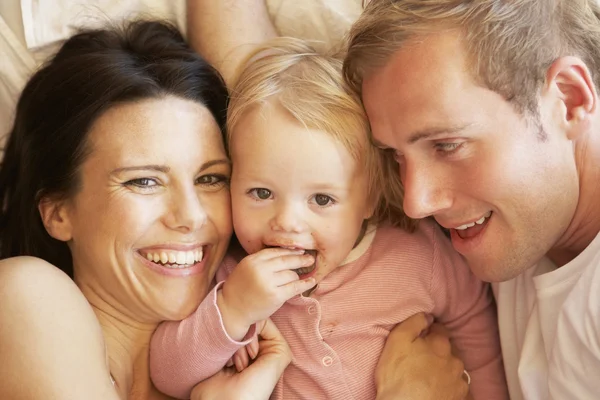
(277, 121)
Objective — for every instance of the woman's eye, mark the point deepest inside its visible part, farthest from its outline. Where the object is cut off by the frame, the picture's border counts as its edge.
(261, 193)
(142, 182)
(323, 200)
(212, 180)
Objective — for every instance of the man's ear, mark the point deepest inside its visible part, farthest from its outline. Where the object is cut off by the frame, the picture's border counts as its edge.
(577, 93)
(55, 217)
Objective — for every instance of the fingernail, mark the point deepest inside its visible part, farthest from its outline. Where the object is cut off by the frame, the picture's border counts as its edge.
(429, 318)
(229, 363)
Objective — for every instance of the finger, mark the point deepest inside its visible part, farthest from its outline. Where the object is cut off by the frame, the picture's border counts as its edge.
(240, 359)
(270, 334)
(252, 348)
(275, 252)
(269, 331)
(282, 278)
(410, 329)
(439, 343)
(229, 363)
(439, 329)
(290, 261)
(295, 288)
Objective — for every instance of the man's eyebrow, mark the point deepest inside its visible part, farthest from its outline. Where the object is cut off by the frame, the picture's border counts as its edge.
(378, 144)
(429, 132)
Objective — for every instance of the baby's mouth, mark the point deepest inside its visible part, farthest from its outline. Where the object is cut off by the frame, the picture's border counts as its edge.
(307, 270)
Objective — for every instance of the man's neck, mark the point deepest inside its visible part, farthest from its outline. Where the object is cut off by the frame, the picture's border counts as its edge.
(585, 225)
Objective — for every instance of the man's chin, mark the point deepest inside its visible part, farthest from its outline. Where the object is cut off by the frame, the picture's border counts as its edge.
(492, 271)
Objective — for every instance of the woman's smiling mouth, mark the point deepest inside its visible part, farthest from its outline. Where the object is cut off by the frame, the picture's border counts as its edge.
(174, 259)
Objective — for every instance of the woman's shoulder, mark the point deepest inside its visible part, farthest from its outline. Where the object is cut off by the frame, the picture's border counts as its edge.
(35, 282)
(49, 333)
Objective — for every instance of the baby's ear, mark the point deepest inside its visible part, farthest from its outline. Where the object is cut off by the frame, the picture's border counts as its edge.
(55, 217)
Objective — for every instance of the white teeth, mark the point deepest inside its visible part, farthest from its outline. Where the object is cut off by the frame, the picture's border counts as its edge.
(189, 257)
(465, 226)
(176, 259)
(478, 222)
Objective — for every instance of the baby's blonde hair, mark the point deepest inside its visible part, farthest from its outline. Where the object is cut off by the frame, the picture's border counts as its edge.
(310, 86)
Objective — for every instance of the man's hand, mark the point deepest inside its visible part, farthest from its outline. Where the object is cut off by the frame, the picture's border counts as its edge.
(258, 380)
(417, 364)
(259, 286)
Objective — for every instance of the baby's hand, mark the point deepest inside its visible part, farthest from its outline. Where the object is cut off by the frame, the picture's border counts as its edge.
(259, 286)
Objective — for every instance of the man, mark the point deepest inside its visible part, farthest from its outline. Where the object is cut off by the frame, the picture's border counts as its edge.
(490, 108)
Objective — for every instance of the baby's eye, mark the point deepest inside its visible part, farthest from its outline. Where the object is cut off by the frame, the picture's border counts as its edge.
(323, 200)
(261, 193)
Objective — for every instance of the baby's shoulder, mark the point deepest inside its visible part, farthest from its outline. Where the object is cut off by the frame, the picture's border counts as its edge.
(423, 238)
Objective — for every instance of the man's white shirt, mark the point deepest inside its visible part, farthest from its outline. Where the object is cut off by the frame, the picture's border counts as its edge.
(550, 329)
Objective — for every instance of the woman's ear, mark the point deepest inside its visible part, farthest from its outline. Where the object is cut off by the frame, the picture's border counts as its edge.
(55, 217)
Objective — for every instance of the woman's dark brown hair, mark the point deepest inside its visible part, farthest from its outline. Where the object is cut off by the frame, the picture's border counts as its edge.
(93, 71)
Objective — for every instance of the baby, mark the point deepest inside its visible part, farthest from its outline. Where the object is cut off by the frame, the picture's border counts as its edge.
(322, 262)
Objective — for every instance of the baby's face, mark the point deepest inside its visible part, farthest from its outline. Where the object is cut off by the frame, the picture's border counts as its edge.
(295, 187)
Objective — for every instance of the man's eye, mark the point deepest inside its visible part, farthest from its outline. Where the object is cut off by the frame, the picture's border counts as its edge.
(261, 193)
(447, 147)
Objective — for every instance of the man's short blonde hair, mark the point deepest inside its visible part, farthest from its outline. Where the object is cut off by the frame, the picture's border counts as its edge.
(310, 86)
(510, 43)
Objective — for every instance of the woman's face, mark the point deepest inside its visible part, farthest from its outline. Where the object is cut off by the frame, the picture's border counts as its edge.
(151, 221)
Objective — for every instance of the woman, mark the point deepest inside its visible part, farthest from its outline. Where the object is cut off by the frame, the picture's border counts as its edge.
(115, 185)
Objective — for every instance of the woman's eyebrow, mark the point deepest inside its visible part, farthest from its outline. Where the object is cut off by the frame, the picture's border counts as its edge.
(211, 163)
(159, 168)
(165, 169)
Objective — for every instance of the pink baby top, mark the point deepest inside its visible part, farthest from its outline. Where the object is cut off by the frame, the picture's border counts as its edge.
(337, 334)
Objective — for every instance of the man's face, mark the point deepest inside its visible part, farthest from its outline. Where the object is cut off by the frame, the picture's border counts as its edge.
(470, 160)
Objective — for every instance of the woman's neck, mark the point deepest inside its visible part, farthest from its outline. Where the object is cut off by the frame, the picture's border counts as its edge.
(127, 347)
